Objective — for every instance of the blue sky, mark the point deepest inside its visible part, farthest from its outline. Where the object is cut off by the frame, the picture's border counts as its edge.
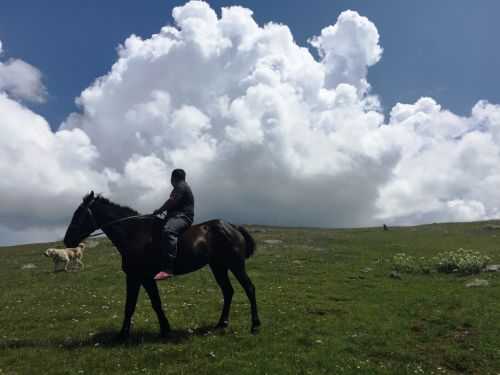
(268, 133)
(446, 49)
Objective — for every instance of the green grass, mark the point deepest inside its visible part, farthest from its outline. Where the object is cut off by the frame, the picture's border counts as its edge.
(322, 310)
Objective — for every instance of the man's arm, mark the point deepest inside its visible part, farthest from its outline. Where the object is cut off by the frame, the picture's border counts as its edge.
(173, 202)
(175, 199)
(161, 209)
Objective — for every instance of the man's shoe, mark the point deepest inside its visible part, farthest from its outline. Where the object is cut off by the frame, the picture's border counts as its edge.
(162, 275)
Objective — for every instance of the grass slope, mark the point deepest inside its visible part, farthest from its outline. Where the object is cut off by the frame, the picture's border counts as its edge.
(323, 311)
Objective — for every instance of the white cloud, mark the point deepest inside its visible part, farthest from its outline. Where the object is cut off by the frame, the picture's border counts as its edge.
(247, 112)
(21, 80)
(267, 133)
(347, 49)
(43, 173)
(449, 164)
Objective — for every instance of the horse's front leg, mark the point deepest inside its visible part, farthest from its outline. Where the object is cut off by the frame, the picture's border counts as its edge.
(133, 286)
(154, 296)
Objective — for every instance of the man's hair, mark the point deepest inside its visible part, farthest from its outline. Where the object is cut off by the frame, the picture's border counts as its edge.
(179, 174)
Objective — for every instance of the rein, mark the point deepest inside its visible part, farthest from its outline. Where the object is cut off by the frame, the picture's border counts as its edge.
(126, 218)
(97, 226)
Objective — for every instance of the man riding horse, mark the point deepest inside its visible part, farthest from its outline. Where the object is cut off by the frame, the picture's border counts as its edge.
(178, 213)
(221, 245)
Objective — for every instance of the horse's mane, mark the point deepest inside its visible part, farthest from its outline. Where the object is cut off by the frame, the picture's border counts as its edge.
(121, 211)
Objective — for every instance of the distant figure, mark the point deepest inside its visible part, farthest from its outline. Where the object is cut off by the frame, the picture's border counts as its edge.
(179, 216)
(386, 227)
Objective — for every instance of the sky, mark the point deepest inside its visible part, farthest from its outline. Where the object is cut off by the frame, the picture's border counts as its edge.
(444, 49)
(338, 113)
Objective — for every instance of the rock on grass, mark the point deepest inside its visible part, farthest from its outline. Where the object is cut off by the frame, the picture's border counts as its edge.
(477, 283)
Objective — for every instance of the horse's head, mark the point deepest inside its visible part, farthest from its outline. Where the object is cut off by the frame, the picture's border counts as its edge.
(83, 222)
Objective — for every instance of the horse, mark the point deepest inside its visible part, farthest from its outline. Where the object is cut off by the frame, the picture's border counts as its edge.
(221, 245)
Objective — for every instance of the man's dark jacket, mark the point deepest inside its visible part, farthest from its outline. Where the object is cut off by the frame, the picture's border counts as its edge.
(180, 203)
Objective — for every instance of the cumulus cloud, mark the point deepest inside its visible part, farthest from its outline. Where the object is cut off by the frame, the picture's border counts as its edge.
(254, 118)
(267, 133)
(42, 172)
(448, 167)
(21, 80)
(347, 49)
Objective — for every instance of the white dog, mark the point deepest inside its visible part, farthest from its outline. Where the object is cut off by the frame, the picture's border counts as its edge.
(69, 256)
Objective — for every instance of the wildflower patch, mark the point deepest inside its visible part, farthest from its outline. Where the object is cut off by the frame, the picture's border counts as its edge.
(462, 261)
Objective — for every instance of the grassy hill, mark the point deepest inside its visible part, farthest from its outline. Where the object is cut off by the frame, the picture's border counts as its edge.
(326, 303)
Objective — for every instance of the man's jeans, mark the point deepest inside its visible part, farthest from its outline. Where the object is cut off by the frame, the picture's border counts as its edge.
(172, 229)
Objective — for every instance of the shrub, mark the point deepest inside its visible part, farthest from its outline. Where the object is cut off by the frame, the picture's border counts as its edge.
(402, 262)
(462, 261)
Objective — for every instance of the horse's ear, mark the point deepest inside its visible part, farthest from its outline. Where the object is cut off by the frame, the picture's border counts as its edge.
(88, 197)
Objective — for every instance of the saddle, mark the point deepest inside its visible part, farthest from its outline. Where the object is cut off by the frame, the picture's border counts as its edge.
(158, 224)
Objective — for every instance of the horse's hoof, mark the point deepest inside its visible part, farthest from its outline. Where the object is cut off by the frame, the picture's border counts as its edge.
(165, 334)
(120, 337)
(255, 328)
(222, 325)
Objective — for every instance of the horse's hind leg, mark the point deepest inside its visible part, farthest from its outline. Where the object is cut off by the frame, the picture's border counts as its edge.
(222, 278)
(154, 296)
(242, 276)
(133, 286)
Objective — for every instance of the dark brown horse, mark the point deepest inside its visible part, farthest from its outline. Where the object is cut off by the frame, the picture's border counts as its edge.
(221, 245)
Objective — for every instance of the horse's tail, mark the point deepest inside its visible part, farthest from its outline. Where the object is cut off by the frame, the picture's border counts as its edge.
(251, 246)
(226, 232)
